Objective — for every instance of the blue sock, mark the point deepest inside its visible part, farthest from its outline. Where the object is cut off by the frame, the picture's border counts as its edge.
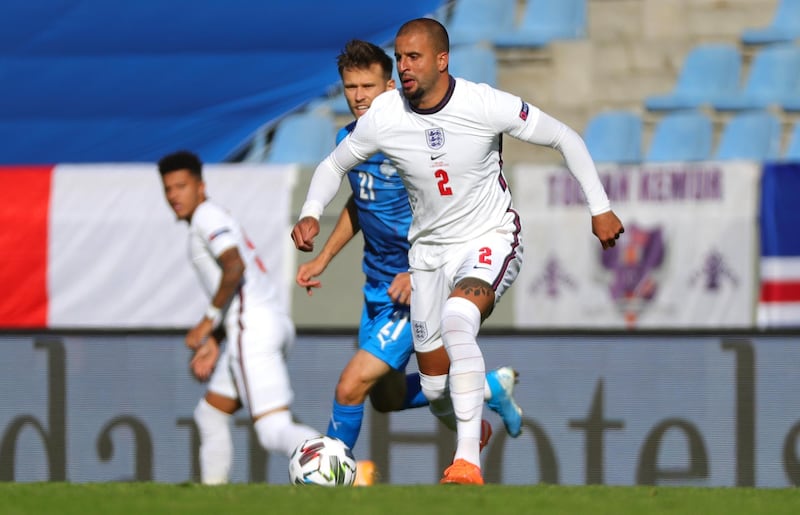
(414, 397)
(345, 423)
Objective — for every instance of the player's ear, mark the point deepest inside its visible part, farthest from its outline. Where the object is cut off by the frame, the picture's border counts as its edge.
(391, 85)
(444, 61)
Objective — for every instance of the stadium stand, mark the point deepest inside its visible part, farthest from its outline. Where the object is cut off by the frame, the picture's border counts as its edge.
(709, 71)
(477, 63)
(682, 136)
(544, 21)
(784, 28)
(792, 152)
(754, 135)
(473, 21)
(304, 138)
(615, 137)
(773, 80)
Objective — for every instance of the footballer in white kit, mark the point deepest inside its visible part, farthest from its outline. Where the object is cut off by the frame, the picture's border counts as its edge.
(461, 221)
(251, 372)
(258, 331)
(444, 135)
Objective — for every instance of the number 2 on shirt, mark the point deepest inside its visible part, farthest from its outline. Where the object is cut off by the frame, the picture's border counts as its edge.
(444, 189)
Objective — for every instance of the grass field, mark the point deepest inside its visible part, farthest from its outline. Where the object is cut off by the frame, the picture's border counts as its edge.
(185, 499)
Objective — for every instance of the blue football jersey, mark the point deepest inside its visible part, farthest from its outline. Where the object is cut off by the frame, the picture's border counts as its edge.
(384, 214)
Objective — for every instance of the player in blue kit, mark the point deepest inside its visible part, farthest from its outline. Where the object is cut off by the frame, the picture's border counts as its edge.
(379, 208)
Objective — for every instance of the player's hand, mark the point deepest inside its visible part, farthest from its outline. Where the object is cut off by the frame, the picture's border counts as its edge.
(205, 359)
(304, 232)
(306, 274)
(400, 289)
(607, 227)
(198, 334)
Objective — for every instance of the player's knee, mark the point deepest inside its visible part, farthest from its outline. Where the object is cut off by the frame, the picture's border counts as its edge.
(271, 430)
(433, 387)
(460, 315)
(351, 390)
(209, 419)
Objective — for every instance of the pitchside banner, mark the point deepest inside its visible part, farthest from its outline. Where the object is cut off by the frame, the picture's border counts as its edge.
(618, 409)
(98, 245)
(687, 257)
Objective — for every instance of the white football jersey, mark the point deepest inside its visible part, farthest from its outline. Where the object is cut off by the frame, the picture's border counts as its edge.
(211, 232)
(450, 161)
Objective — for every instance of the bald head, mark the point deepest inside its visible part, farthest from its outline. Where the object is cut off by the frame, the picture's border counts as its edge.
(434, 30)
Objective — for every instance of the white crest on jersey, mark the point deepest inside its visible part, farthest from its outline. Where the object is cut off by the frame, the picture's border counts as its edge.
(435, 137)
(387, 168)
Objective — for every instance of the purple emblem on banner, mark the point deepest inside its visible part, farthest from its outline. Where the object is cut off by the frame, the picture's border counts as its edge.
(552, 278)
(713, 272)
(633, 262)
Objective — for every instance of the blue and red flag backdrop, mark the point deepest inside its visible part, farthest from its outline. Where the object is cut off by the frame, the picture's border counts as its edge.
(779, 304)
(122, 81)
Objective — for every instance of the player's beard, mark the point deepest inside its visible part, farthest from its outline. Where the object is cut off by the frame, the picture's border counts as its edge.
(414, 97)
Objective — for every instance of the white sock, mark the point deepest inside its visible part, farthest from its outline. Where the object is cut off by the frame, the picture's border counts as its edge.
(435, 390)
(461, 321)
(277, 432)
(216, 446)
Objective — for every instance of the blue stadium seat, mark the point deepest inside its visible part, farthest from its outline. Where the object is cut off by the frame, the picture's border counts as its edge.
(547, 20)
(614, 137)
(303, 138)
(474, 62)
(773, 79)
(473, 21)
(784, 28)
(682, 136)
(793, 149)
(708, 72)
(754, 135)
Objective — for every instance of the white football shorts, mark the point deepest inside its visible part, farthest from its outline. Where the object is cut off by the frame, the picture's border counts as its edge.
(495, 257)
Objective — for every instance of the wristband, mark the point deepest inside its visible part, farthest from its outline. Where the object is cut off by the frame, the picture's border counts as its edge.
(214, 314)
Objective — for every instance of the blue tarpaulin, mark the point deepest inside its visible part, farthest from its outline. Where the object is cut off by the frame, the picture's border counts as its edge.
(113, 80)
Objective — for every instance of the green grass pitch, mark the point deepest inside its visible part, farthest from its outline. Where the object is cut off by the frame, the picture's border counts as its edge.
(194, 499)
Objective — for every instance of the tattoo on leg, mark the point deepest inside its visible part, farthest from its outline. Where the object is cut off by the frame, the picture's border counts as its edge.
(472, 287)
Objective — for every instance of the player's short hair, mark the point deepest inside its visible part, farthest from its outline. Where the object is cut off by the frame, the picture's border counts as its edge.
(434, 29)
(361, 55)
(181, 160)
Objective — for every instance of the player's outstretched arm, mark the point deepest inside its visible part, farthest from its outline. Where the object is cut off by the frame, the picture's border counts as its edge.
(346, 227)
(232, 274)
(205, 359)
(304, 232)
(607, 227)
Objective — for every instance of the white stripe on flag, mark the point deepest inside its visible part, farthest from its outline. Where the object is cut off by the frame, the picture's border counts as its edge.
(779, 314)
(780, 268)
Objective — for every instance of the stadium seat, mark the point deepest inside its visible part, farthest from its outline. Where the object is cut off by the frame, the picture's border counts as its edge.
(773, 79)
(303, 138)
(682, 136)
(474, 62)
(473, 21)
(793, 149)
(544, 21)
(614, 137)
(754, 135)
(708, 72)
(784, 28)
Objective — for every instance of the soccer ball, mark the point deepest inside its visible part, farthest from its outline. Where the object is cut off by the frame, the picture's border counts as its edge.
(324, 461)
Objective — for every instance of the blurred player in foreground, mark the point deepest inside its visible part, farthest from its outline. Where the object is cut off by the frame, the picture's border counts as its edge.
(379, 208)
(444, 136)
(244, 308)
